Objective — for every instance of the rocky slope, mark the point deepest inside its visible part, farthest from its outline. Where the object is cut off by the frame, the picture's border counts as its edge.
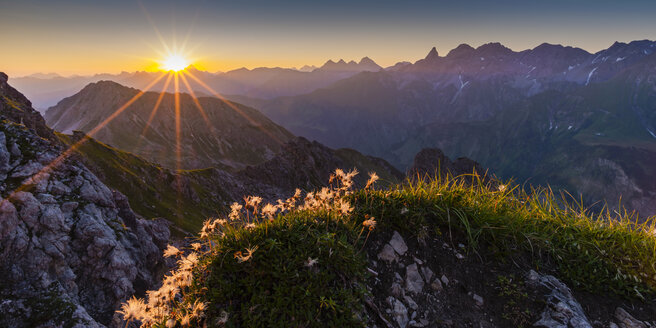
(219, 134)
(431, 282)
(71, 249)
(551, 114)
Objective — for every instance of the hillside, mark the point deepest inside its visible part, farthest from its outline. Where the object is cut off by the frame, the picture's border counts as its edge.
(191, 197)
(218, 134)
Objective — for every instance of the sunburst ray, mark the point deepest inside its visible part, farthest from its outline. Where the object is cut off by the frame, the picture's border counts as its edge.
(195, 99)
(235, 108)
(154, 111)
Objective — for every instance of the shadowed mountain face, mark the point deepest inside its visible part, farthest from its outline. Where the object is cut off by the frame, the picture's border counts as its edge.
(553, 114)
(221, 134)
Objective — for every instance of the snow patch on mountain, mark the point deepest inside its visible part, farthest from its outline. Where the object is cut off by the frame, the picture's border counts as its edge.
(652, 133)
(590, 75)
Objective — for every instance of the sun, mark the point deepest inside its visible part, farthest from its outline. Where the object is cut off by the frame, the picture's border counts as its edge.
(175, 63)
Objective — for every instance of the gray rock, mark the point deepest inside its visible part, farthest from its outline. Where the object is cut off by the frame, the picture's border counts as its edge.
(398, 244)
(396, 290)
(478, 299)
(412, 304)
(428, 274)
(625, 320)
(445, 280)
(399, 312)
(387, 254)
(414, 283)
(88, 257)
(437, 285)
(562, 309)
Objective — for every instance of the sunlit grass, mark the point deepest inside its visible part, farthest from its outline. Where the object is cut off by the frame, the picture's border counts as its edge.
(301, 262)
(606, 251)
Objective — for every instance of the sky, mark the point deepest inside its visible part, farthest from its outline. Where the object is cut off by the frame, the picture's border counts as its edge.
(86, 37)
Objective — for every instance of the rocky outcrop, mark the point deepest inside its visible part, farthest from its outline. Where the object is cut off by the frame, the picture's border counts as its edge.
(71, 249)
(562, 309)
(16, 108)
(625, 320)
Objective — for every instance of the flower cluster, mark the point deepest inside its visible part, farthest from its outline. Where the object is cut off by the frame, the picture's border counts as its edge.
(174, 305)
(169, 305)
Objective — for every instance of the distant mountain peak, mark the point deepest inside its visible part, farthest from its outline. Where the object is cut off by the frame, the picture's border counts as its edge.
(98, 101)
(367, 61)
(432, 54)
(44, 75)
(461, 50)
(494, 48)
(545, 45)
(365, 64)
(307, 68)
(557, 50)
(105, 85)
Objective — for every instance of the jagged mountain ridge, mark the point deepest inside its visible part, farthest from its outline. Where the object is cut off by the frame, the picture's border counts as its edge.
(261, 82)
(519, 113)
(364, 65)
(232, 136)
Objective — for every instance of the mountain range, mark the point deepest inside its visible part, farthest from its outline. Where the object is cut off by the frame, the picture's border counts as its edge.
(550, 115)
(45, 90)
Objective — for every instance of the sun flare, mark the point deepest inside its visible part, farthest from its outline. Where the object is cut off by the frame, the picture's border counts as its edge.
(175, 63)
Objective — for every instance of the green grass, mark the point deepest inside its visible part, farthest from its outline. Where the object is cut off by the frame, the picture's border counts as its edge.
(276, 288)
(13, 104)
(597, 252)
